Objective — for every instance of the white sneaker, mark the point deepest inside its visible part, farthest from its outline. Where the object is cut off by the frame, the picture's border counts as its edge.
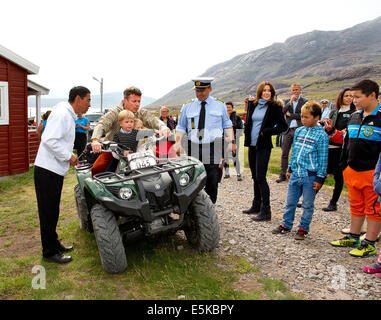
(362, 238)
(363, 228)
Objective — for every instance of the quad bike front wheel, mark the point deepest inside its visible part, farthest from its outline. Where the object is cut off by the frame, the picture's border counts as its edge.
(109, 240)
(201, 223)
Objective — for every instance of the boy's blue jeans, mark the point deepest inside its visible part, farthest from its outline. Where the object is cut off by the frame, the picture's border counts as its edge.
(298, 186)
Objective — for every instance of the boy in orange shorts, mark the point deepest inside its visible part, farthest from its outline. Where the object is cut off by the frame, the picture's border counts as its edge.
(362, 147)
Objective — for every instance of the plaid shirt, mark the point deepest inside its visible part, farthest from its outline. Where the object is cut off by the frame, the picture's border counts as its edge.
(310, 152)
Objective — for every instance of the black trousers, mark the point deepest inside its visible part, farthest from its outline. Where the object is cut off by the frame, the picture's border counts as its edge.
(48, 186)
(334, 155)
(210, 155)
(80, 142)
(258, 162)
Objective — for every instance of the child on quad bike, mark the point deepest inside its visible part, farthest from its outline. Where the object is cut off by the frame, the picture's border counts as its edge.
(128, 137)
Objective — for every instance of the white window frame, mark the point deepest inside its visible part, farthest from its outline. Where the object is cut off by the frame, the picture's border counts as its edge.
(4, 115)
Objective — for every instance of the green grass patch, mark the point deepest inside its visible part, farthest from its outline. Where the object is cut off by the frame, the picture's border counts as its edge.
(159, 268)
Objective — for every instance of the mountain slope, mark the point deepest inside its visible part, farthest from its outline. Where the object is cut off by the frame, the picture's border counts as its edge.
(314, 59)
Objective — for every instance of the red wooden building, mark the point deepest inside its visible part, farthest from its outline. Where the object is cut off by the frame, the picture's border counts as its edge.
(18, 144)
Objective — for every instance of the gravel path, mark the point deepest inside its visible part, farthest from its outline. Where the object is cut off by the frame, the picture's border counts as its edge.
(311, 267)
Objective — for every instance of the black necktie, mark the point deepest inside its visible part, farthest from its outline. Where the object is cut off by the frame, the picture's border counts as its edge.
(201, 121)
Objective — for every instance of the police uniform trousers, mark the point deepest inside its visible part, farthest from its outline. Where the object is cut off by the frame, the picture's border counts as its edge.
(211, 155)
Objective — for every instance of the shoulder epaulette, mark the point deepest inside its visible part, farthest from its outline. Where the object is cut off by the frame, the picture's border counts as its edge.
(190, 100)
(218, 99)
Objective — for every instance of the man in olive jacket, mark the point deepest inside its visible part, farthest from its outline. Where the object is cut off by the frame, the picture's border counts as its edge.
(292, 109)
(108, 125)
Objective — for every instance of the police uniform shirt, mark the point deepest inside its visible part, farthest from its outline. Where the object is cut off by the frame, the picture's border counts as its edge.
(216, 119)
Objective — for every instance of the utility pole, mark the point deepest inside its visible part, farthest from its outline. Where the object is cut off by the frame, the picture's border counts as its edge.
(101, 83)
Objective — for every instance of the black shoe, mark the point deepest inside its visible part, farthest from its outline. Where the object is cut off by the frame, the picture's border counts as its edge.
(281, 178)
(64, 249)
(239, 177)
(260, 217)
(264, 214)
(227, 176)
(298, 205)
(58, 258)
(331, 207)
(253, 210)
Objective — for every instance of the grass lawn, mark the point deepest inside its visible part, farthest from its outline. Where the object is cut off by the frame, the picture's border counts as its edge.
(165, 268)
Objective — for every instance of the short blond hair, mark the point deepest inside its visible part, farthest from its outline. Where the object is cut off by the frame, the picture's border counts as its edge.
(124, 114)
(138, 121)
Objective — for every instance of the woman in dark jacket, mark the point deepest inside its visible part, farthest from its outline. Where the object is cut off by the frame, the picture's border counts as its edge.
(170, 123)
(339, 117)
(264, 119)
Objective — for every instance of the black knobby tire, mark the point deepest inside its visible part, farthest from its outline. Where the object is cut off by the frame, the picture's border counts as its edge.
(109, 240)
(202, 229)
(82, 210)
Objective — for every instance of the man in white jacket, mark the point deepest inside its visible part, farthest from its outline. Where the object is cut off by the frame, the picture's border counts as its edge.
(54, 158)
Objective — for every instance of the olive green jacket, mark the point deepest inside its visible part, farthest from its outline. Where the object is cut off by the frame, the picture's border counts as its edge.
(108, 124)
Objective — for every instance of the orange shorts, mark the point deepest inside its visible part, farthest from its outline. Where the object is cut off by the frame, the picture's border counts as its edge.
(362, 198)
(100, 165)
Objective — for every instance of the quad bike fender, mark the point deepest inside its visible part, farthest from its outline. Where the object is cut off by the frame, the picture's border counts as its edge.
(186, 195)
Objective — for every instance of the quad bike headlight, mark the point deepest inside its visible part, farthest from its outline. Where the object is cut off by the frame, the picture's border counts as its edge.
(184, 179)
(125, 193)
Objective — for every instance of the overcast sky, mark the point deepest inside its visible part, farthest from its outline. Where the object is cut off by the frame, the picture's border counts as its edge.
(156, 45)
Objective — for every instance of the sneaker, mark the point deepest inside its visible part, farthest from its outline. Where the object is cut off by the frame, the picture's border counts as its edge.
(281, 229)
(376, 268)
(301, 234)
(364, 250)
(239, 177)
(348, 230)
(227, 176)
(346, 242)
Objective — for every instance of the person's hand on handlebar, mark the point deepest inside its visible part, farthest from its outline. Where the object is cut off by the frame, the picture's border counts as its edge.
(96, 146)
(164, 131)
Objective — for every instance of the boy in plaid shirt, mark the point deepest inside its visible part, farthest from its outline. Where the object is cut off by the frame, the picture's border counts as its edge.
(307, 169)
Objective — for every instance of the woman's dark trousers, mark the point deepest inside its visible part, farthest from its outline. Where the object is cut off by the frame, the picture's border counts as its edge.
(258, 161)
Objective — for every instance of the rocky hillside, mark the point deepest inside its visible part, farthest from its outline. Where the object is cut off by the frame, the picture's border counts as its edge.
(322, 61)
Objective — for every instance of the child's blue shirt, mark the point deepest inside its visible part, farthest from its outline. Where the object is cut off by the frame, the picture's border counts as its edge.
(310, 153)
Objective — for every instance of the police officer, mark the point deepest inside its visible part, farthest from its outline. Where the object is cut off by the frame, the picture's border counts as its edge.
(202, 128)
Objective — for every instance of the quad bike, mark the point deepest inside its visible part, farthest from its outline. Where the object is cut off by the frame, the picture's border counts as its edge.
(145, 196)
